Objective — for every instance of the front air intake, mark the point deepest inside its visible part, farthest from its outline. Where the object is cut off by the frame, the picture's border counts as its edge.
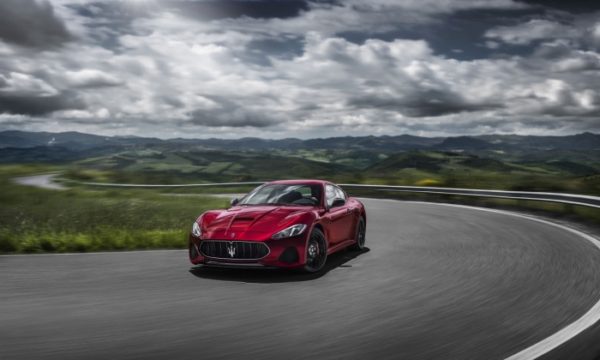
(234, 250)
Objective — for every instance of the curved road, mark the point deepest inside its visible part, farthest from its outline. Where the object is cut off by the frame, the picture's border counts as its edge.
(438, 282)
(44, 181)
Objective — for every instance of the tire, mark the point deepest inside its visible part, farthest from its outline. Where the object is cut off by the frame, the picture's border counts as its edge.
(361, 229)
(316, 251)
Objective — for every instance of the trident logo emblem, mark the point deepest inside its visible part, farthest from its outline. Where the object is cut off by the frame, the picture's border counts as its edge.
(231, 249)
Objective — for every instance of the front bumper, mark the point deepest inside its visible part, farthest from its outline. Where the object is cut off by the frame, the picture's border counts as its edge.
(284, 253)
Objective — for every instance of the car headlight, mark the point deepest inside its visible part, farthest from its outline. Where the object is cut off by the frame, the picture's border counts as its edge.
(196, 231)
(291, 231)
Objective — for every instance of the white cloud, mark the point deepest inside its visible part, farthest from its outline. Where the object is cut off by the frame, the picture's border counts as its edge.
(90, 78)
(578, 61)
(25, 84)
(535, 29)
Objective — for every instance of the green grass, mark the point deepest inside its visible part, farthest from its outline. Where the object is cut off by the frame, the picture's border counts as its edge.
(78, 220)
(198, 166)
(405, 168)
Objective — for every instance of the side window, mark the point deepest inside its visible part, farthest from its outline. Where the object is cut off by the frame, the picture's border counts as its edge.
(339, 193)
(333, 192)
(330, 194)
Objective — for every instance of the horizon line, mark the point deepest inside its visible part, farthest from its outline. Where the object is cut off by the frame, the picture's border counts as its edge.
(296, 138)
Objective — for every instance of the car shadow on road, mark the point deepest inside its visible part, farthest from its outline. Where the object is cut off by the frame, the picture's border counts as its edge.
(336, 260)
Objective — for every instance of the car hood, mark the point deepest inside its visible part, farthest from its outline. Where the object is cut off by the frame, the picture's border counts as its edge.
(253, 222)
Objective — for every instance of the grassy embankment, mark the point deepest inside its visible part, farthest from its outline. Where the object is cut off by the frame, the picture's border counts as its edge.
(80, 220)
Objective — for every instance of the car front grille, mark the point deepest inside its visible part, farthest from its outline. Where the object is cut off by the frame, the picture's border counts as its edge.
(238, 250)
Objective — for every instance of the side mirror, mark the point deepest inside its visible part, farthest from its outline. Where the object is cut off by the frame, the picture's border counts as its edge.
(234, 201)
(338, 202)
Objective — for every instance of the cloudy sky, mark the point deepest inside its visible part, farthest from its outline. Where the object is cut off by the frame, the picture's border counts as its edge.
(300, 68)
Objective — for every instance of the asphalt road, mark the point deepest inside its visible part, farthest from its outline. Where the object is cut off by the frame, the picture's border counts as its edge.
(438, 282)
(44, 181)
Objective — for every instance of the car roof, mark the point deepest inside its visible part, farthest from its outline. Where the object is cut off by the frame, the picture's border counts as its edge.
(300, 181)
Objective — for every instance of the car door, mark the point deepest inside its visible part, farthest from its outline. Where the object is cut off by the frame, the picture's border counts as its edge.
(338, 218)
(348, 223)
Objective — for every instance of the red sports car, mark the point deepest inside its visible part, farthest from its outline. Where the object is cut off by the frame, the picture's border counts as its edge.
(284, 224)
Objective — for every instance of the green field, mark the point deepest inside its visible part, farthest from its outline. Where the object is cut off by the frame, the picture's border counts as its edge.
(420, 168)
(79, 220)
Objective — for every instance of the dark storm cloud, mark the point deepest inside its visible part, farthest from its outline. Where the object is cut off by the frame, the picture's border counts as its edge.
(230, 114)
(122, 12)
(575, 6)
(108, 21)
(31, 23)
(423, 103)
(38, 105)
(262, 50)
(230, 118)
(114, 11)
(258, 9)
(564, 58)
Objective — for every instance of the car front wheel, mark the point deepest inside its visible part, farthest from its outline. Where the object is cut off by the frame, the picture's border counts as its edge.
(316, 251)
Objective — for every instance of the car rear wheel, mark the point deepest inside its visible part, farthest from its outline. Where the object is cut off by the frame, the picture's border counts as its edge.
(316, 251)
(360, 235)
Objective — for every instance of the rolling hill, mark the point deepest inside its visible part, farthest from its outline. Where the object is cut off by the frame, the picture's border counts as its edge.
(570, 163)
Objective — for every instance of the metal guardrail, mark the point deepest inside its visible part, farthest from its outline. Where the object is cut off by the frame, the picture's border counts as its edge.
(573, 199)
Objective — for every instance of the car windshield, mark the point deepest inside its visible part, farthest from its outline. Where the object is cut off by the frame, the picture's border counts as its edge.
(284, 194)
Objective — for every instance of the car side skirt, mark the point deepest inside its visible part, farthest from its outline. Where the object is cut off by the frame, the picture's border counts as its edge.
(340, 246)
